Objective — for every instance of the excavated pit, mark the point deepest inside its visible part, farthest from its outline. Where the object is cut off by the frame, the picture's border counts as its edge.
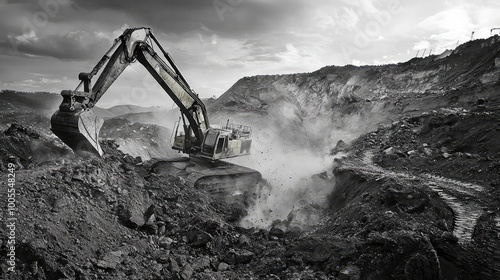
(415, 197)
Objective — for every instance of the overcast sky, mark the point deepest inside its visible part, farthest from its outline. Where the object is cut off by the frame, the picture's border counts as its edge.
(44, 44)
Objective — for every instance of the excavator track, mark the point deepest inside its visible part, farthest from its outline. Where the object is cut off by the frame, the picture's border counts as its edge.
(215, 177)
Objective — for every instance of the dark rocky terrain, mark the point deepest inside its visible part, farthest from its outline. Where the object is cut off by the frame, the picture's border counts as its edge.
(409, 187)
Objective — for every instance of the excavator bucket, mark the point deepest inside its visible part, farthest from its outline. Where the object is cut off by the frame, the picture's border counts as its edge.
(78, 129)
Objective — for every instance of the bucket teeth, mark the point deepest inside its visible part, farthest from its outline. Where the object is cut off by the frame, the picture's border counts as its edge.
(79, 130)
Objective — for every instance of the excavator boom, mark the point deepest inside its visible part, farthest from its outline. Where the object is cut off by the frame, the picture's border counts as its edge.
(78, 126)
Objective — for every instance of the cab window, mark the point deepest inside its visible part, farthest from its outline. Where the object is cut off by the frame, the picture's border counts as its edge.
(220, 146)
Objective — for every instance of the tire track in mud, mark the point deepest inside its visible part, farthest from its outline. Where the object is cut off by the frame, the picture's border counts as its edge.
(466, 213)
(463, 198)
(466, 188)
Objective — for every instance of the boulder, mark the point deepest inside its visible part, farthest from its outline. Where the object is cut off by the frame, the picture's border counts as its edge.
(238, 256)
(350, 272)
(111, 259)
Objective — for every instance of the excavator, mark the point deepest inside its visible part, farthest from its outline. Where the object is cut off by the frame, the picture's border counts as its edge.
(78, 126)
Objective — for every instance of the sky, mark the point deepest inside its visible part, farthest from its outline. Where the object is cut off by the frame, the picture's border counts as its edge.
(44, 44)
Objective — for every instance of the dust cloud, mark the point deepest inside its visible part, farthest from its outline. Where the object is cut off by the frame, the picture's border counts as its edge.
(293, 194)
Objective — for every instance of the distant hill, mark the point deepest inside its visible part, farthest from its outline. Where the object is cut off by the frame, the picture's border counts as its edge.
(121, 110)
(147, 115)
(11, 100)
(342, 102)
(165, 118)
(470, 64)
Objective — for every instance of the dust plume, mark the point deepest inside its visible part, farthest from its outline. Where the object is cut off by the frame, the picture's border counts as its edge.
(296, 170)
(294, 196)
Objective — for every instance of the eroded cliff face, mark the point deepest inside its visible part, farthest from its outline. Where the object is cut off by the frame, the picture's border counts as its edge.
(339, 103)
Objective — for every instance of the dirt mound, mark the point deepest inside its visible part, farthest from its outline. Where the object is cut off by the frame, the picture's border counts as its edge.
(457, 143)
(430, 168)
(100, 216)
(27, 148)
(111, 218)
(137, 139)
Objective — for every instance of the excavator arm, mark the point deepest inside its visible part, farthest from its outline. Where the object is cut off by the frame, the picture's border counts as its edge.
(78, 126)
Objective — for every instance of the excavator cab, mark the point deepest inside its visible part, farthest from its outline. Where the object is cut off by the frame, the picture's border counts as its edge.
(184, 138)
(178, 138)
(229, 141)
(218, 143)
(215, 144)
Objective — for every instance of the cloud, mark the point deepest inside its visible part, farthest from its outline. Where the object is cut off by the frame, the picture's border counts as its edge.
(251, 37)
(37, 82)
(445, 28)
(364, 7)
(76, 45)
(324, 19)
(348, 18)
(221, 16)
(456, 18)
(26, 38)
(425, 44)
